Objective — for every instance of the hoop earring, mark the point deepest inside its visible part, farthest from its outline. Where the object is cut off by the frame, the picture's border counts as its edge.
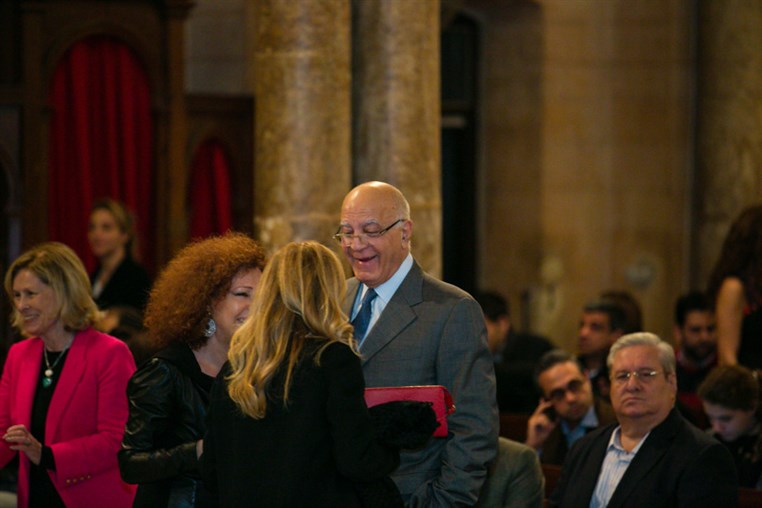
(210, 328)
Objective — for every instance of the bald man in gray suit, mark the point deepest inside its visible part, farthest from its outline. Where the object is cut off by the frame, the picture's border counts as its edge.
(418, 330)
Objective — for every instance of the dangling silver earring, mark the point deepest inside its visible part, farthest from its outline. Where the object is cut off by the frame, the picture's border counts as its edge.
(210, 328)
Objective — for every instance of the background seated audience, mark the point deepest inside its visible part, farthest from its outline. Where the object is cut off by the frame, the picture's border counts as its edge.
(199, 300)
(653, 457)
(567, 410)
(515, 356)
(63, 400)
(730, 394)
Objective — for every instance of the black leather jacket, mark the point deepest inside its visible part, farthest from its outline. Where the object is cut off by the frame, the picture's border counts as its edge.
(168, 398)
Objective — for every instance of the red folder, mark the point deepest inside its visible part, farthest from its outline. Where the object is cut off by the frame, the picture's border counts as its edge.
(440, 398)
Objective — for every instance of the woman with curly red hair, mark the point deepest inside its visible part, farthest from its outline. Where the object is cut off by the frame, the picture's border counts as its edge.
(197, 302)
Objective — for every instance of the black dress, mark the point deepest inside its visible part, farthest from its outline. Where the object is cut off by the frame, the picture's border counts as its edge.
(168, 397)
(517, 391)
(42, 492)
(128, 286)
(309, 453)
(750, 348)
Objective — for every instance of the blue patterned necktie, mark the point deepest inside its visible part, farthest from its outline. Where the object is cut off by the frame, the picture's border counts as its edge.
(362, 319)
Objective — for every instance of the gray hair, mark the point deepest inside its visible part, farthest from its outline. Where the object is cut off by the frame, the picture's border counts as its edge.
(666, 353)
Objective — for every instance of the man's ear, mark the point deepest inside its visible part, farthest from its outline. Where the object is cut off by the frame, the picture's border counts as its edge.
(678, 336)
(407, 230)
(672, 380)
(505, 324)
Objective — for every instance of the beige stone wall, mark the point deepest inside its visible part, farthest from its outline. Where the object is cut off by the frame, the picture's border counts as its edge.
(218, 49)
(729, 121)
(586, 155)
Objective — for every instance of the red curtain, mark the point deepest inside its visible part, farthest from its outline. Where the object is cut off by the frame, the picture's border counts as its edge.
(100, 141)
(210, 201)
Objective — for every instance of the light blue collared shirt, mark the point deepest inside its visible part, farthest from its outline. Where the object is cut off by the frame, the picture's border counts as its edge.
(614, 466)
(589, 421)
(384, 291)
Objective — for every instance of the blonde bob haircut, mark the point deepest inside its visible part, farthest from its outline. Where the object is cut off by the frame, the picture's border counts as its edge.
(298, 300)
(57, 266)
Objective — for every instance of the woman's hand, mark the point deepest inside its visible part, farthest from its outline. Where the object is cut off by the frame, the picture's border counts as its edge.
(19, 438)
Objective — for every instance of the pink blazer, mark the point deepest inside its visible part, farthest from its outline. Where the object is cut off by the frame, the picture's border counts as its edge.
(85, 419)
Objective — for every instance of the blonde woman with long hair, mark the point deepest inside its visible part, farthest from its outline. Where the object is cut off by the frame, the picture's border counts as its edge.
(287, 423)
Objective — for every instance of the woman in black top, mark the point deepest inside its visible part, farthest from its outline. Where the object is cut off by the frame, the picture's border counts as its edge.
(118, 280)
(197, 303)
(735, 286)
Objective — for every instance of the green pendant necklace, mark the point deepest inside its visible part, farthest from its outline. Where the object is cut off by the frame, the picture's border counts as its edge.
(47, 381)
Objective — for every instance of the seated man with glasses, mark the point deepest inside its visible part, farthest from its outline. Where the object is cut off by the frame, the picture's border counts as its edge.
(568, 409)
(653, 457)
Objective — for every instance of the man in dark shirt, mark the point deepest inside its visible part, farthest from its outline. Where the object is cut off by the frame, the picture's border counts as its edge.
(696, 345)
(601, 324)
(515, 355)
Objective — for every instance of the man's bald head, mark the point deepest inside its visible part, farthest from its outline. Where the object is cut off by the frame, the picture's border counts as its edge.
(375, 219)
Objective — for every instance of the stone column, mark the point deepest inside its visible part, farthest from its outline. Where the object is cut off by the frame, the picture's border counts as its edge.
(729, 121)
(172, 132)
(302, 101)
(396, 101)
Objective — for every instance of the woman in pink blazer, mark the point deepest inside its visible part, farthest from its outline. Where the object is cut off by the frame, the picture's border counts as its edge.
(63, 402)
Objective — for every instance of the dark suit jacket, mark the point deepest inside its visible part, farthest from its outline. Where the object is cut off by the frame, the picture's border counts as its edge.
(554, 448)
(516, 388)
(677, 466)
(307, 454)
(433, 333)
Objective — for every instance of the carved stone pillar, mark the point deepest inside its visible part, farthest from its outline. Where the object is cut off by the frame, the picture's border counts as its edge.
(302, 94)
(396, 102)
(729, 121)
(172, 178)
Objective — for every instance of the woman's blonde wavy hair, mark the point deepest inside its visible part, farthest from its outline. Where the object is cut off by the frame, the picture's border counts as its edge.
(298, 299)
(57, 266)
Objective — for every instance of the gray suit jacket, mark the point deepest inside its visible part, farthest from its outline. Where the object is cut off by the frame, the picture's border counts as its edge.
(433, 333)
(515, 479)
